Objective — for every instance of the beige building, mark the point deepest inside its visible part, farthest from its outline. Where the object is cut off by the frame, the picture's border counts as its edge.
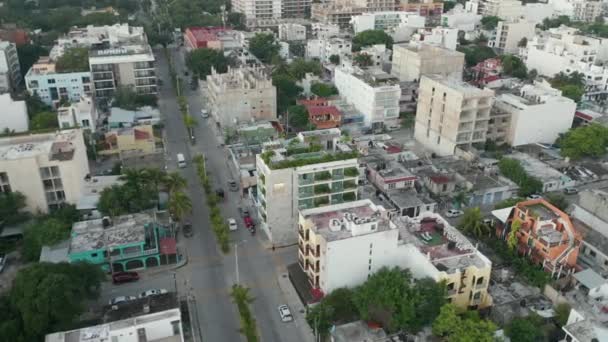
(451, 114)
(241, 95)
(340, 12)
(342, 245)
(508, 34)
(49, 169)
(138, 139)
(410, 62)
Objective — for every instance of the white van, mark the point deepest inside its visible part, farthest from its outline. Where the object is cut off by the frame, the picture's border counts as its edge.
(181, 161)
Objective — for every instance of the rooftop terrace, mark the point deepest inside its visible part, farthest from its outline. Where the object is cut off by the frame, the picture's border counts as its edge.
(56, 145)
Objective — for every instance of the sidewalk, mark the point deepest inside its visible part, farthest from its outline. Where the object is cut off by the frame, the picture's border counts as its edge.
(298, 311)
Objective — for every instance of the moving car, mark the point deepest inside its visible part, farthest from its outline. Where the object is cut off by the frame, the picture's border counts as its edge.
(153, 292)
(534, 196)
(187, 228)
(233, 186)
(121, 299)
(454, 213)
(570, 191)
(204, 113)
(124, 277)
(285, 313)
(181, 160)
(232, 224)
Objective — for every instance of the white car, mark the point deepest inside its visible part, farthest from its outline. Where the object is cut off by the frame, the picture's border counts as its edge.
(534, 196)
(453, 213)
(121, 299)
(153, 292)
(285, 313)
(232, 224)
(204, 113)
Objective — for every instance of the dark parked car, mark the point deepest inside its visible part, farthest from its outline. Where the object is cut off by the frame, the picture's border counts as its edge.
(188, 232)
(124, 277)
(219, 193)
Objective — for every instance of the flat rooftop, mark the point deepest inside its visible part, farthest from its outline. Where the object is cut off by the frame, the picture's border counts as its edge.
(537, 168)
(56, 145)
(446, 247)
(126, 229)
(347, 220)
(461, 86)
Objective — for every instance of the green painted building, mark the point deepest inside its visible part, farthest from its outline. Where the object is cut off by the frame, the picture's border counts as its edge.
(128, 242)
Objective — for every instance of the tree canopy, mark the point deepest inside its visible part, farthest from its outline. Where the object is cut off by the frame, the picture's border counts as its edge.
(584, 141)
(372, 37)
(12, 205)
(264, 46)
(472, 222)
(455, 328)
(287, 91)
(200, 61)
(298, 118)
(474, 54)
(525, 329)
(572, 85)
(513, 66)
(48, 230)
(127, 98)
(512, 169)
(323, 90)
(489, 22)
(44, 120)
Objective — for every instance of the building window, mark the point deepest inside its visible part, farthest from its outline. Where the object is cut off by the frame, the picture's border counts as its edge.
(176, 328)
(94, 255)
(392, 185)
(4, 183)
(51, 81)
(592, 253)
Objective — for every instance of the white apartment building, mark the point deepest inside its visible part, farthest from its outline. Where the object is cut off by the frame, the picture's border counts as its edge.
(342, 245)
(437, 36)
(271, 9)
(292, 32)
(461, 19)
(509, 33)
(578, 10)
(52, 87)
(388, 21)
(324, 31)
(158, 326)
(504, 9)
(13, 116)
(10, 71)
(410, 62)
(372, 92)
(49, 169)
(451, 114)
(81, 114)
(241, 95)
(323, 49)
(123, 66)
(535, 114)
(379, 54)
(285, 187)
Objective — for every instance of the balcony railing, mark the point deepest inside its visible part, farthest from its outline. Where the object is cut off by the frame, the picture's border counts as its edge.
(134, 254)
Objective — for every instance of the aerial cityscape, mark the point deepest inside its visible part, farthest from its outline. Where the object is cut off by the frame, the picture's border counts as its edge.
(303, 171)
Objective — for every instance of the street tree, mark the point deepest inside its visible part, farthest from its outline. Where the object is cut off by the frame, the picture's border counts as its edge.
(472, 222)
(298, 118)
(179, 204)
(525, 329)
(12, 208)
(474, 54)
(454, 328)
(371, 37)
(584, 141)
(264, 46)
(323, 90)
(489, 22)
(201, 61)
(174, 181)
(43, 232)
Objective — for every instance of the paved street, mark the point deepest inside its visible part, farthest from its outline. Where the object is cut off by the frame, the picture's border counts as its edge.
(209, 274)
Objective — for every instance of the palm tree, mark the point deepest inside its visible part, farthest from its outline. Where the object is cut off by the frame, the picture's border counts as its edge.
(133, 178)
(179, 204)
(154, 176)
(472, 223)
(174, 182)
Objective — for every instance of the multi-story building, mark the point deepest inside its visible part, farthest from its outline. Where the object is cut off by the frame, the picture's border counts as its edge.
(340, 12)
(324, 31)
(323, 49)
(14, 116)
(321, 114)
(292, 177)
(52, 87)
(343, 244)
(504, 9)
(410, 62)
(295, 8)
(578, 10)
(138, 140)
(545, 234)
(590, 215)
(241, 95)
(387, 21)
(81, 114)
(372, 92)
(10, 72)
(535, 114)
(451, 114)
(461, 19)
(49, 169)
(430, 9)
(438, 36)
(218, 38)
(507, 35)
(123, 66)
(273, 9)
(122, 243)
(292, 32)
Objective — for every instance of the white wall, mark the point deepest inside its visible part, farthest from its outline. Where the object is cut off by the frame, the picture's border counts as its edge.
(13, 114)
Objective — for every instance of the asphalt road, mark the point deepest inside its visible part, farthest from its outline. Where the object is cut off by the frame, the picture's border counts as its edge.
(210, 274)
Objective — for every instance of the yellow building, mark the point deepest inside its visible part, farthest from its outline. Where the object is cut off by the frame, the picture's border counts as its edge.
(138, 139)
(343, 244)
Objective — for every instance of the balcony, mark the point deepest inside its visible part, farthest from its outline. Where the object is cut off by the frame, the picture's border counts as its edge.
(137, 254)
(322, 189)
(337, 174)
(481, 285)
(322, 176)
(452, 292)
(351, 172)
(349, 184)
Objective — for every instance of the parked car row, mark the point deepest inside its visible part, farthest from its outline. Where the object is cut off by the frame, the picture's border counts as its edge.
(124, 299)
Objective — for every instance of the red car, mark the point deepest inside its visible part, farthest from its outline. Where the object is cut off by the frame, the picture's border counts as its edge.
(124, 277)
(248, 221)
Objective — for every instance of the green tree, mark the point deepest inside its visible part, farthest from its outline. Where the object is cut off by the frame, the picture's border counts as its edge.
(584, 141)
(460, 199)
(12, 205)
(472, 222)
(300, 67)
(571, 85)
(298, 118)
(287, 91)
(241, 297)
(127, 98)
(558, 200)
(29, 54)
(363, 60)
(73, 60)
(200, 61)
(297, 49)
(513, 66)
(237, 21)
(562, 312)
(35, 105)
(474, 54)
(525, 329)
(179, 204)
(371, 37)
(512, 238)
(555, 22)
(323, 90)
(509, 202)
(573, 92)
(454, 328)
(522, 42)
(489, 22)
(111, 201)
(512, 169)
(44, 120)
(334, 59)
(44, 232)
(174, 181)
(264, 46)
(98, 19)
